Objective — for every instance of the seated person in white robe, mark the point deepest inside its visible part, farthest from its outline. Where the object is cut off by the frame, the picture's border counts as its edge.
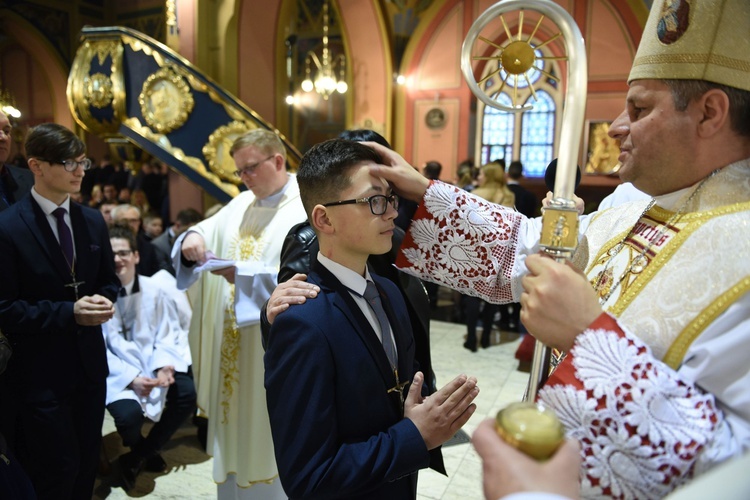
(148, 366)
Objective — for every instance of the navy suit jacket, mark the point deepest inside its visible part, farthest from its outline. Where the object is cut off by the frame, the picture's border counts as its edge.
(337, 432)
(36, 308)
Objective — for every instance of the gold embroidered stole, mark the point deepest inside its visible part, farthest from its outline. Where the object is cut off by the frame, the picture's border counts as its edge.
(696, 269)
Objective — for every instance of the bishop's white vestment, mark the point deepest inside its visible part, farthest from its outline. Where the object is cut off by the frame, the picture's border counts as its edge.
(227, 359)
(660, 393)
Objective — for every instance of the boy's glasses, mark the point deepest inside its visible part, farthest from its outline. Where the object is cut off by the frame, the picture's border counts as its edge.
(378, 203)
(71, 165)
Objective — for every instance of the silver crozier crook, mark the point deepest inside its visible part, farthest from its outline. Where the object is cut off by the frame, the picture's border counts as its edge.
(560, 220)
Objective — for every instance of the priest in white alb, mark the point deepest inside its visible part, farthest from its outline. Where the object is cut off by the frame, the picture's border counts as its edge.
(240, 249)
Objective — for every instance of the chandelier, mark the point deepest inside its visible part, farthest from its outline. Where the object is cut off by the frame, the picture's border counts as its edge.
(327, 67)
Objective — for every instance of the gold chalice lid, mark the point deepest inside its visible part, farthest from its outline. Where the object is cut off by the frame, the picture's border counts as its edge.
(531, 428)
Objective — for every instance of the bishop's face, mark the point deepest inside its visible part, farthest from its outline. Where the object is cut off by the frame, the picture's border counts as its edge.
(657, 141)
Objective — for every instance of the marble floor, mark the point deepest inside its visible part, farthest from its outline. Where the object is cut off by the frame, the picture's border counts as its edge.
(499, 380)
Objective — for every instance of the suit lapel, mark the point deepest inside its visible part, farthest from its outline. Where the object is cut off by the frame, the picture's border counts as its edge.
(343, 300)
(83, 242)
(36, 220)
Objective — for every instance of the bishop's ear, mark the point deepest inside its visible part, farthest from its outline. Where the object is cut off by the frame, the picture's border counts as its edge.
(320, 220)
(714, 106)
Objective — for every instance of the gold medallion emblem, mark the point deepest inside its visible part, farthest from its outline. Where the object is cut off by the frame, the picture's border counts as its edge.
(97, 90)
(166, 100)
(217, 149)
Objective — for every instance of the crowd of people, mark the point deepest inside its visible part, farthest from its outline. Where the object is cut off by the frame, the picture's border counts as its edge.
(329, 370)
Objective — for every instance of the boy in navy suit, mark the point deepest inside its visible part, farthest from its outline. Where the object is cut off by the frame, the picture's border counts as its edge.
(57, 282)
(337, 366)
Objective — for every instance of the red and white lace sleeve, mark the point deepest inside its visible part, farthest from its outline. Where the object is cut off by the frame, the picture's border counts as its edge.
(463, 242)
(641, 426)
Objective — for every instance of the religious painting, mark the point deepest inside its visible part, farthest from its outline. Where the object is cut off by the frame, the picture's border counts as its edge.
(600, 149)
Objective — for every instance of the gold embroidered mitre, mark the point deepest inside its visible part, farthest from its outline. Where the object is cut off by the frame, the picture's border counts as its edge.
(696, 40)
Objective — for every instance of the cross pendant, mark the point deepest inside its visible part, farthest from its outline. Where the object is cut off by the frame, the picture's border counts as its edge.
(399, 389)
(74, 285)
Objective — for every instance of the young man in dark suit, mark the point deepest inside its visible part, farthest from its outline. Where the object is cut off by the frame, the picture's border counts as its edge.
(58, 283)
(337, 366)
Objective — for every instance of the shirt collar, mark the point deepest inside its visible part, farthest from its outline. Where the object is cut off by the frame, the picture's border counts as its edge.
(274, 199)
(350, 279)
(132, 287)
(49, 206)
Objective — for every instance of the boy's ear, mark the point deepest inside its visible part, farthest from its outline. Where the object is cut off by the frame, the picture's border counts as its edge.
(320, 221)
(33, 164)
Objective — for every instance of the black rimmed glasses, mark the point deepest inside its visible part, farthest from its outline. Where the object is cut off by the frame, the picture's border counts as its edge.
(123, 254)
(250, 169)
(71, 165)
(378, 203)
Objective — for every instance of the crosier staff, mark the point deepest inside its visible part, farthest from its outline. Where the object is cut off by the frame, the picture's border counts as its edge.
(517, 57)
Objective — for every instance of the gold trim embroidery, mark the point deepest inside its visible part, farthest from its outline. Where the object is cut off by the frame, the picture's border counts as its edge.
(676, 352)
(719, 60)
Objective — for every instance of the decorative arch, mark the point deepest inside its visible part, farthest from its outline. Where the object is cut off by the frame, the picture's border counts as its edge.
(53, 68)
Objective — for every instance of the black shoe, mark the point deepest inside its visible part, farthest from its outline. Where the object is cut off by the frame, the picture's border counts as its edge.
(155, 463)
(130, 466)
(202, 429)
(471, 347)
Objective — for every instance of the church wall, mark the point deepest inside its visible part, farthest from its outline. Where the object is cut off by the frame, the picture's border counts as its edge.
(369, 66)
(257, 56)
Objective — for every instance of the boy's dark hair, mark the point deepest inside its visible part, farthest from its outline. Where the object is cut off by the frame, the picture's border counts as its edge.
(122, 231)
(364, 135)
(432, 170)
(322, 171)
(515, 170)
(53, 143)
(500, 162)
(149, 216)
(189, 216)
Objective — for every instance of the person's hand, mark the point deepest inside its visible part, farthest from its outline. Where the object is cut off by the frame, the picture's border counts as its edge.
(557, 302)
(293, 291)
(439, 416)
(507, 470)
(143, 385)
(580, 205)
(228, 273)
(194, 248)
(165, 376)
(93, 310)
(405, 180)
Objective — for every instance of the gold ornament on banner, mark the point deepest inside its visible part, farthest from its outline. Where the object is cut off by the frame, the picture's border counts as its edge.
(166, 100)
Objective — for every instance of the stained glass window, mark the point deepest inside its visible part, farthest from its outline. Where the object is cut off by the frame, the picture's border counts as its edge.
(538, 134)
(528, 136)
(497, 132)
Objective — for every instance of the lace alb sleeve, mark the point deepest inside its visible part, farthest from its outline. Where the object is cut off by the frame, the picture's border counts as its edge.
(642, 427)
(464, 242)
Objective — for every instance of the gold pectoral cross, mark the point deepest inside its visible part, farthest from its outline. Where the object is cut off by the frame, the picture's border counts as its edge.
(74, 285)
(399, 389)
